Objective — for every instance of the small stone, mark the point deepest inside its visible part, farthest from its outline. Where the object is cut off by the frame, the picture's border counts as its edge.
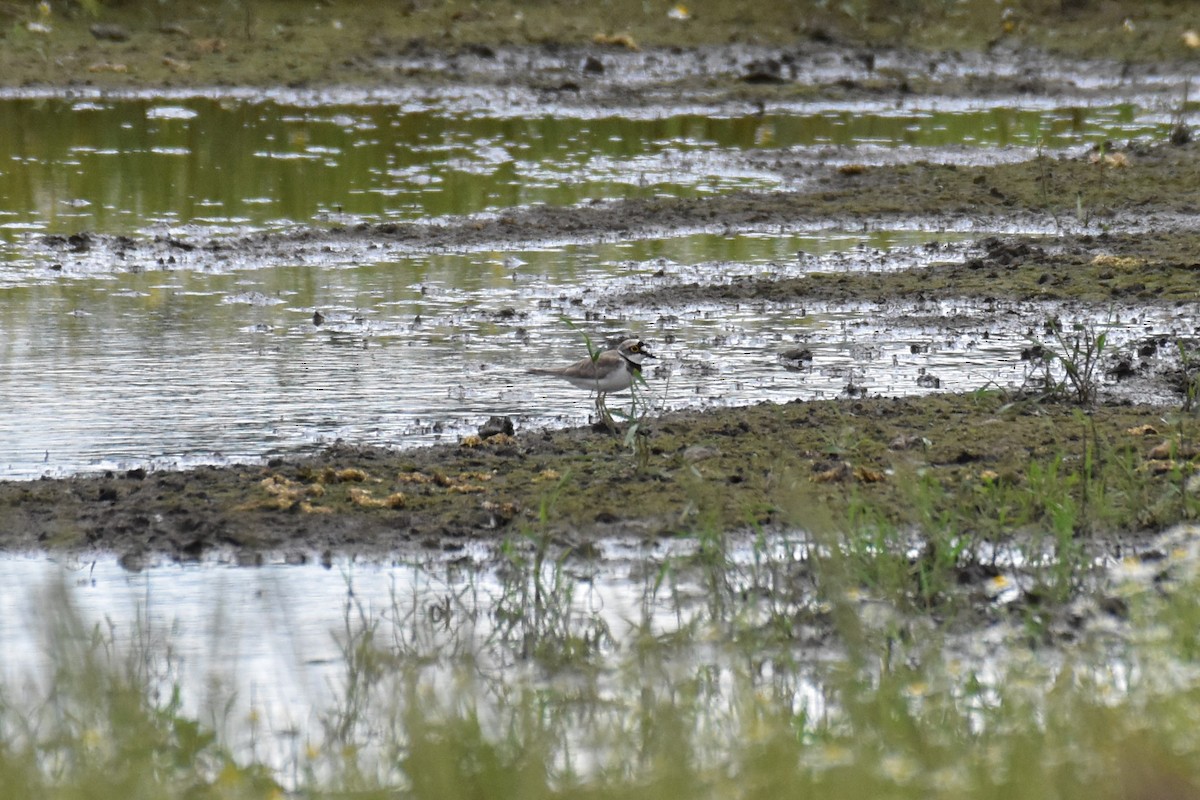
(109, 33)
(699, 452)
(496, 426)
(797, 354)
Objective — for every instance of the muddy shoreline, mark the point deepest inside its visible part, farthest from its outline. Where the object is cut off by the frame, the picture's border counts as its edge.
(1141, 204)
(1119, 228)
(799, 464)
(730, 469)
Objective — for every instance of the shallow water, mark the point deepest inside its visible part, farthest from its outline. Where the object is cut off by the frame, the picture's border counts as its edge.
(266, 655)
(271, 642)
(204, 357)
(176, 367)
(123, 166)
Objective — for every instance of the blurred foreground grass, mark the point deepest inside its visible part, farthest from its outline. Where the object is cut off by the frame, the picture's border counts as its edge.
(760, 690)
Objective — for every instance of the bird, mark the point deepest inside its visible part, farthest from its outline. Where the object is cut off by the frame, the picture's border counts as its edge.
(610, 371)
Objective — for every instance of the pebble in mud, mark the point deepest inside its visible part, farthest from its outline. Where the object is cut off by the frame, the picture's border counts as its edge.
(495, 426)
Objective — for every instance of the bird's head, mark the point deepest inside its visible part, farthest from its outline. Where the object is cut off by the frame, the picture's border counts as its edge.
(634, 351)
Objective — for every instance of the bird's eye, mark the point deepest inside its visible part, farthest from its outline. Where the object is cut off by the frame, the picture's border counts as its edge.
(635, 348)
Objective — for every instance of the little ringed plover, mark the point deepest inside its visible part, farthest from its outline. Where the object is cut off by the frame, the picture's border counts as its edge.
(610, 371)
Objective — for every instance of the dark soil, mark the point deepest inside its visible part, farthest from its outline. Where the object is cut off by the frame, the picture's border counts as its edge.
(766, 466)
(621, 49)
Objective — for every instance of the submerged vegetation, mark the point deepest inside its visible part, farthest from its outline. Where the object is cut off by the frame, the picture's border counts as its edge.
(863, 601)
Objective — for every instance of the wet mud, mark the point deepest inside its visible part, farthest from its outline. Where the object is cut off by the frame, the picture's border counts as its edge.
(1145, 190)
(1119, 225)
(770, 466)
(616, 52)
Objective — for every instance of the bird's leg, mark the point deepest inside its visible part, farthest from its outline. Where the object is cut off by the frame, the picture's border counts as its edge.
(602, 410)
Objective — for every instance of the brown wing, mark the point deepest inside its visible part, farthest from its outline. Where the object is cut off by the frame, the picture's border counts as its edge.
(585, 369)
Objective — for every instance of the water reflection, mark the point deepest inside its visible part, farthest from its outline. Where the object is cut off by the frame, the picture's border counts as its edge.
(272, 642)
(177, 366)
(121, 166)
(209, 356)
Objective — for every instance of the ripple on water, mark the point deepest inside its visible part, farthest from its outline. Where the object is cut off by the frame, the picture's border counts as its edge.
(180, 367)
(152, 349)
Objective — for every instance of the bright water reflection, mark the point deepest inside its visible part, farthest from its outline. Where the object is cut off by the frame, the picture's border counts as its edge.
(107, 362)
(178, 366)
(272, 641)
(122, 166)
